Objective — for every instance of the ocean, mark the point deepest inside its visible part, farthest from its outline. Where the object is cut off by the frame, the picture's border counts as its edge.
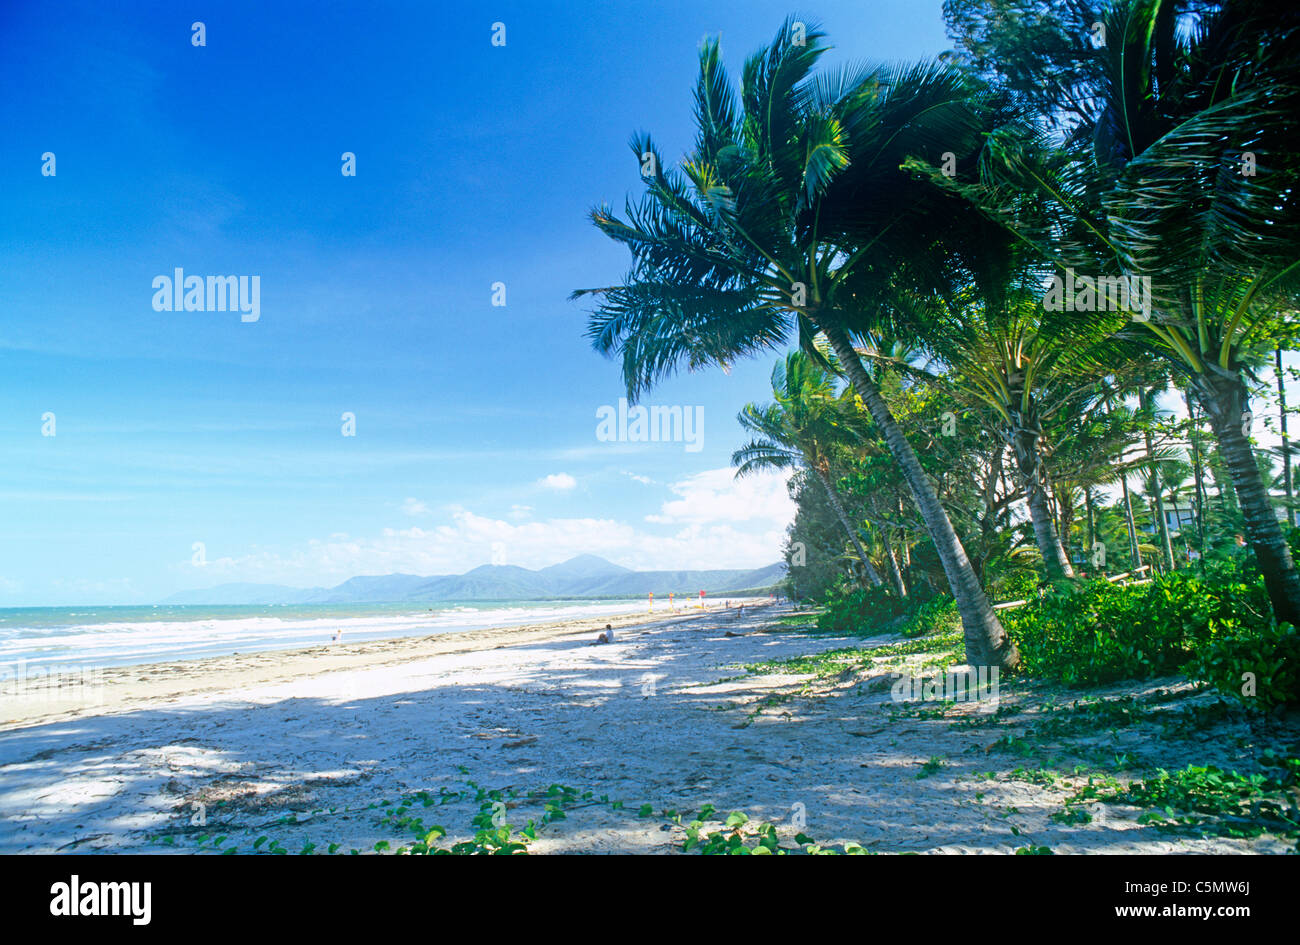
(55, 639)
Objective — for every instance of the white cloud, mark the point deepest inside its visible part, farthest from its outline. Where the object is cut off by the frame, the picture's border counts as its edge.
(414, 507)
(715, 521)
(718, 496)
(560, 482)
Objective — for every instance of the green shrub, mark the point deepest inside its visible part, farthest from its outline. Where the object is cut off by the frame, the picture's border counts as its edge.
(1016, 585)
(860, 610)
(1098, 632)
(876, 609)
(934, 616)
(1259, 667)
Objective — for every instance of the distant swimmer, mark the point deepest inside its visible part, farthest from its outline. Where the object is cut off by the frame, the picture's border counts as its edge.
(606, 636)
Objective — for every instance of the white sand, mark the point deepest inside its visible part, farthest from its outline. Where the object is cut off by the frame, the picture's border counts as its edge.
(321, 734)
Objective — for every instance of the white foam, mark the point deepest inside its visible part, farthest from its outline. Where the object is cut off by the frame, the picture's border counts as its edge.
(116, 642)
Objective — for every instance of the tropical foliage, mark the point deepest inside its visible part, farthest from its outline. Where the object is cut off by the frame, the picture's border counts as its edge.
(1029, 291)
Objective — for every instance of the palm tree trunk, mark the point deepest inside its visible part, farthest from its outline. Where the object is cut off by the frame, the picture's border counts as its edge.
(872, 574)
(1286, 442)
(1187, 547)
(1134, 552)
(1166, 546)
(899, 584)
(1158, 512)
(1225, 402)
(1199, 472)
(1033, 477)
(907, 546)
(987, 643)
(1133, 549)
(1164, 561)
(1065, 515)
(1227, 498)
(1092, 523)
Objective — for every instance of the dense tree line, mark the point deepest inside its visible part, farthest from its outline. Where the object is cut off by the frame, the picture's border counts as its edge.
(989, 276)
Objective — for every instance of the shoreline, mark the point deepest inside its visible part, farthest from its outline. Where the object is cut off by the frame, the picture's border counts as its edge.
(106, 690)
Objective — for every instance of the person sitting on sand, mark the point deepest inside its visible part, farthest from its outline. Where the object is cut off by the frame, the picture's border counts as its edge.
(606, 636)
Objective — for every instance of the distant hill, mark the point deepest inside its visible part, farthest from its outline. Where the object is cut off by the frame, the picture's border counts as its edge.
(583, 576)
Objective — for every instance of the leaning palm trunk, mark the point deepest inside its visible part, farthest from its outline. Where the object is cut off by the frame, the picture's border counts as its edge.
(1224, 400)
(987, 643)
(872, 574)
(894, 572)
(1033, 477)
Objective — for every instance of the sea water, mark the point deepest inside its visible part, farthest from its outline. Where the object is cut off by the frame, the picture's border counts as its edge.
(73, 637)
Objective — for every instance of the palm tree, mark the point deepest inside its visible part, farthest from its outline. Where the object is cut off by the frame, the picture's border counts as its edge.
(1000, 348)
(1090, 446)
(799, 429)
(736, 251)
(1180, 114)
(1190, 184)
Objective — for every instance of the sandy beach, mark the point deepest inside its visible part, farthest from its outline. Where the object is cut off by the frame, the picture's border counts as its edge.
(313, 750)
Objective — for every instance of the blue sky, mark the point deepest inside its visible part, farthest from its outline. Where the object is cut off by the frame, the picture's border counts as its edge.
(475, 424)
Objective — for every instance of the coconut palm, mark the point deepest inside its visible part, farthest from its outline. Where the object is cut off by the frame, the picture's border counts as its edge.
(998, 347)
(737, 251)
(1190, 184)
(1184, 114)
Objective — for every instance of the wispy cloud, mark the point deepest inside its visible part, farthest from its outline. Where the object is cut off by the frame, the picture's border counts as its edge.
(558, 482)
(415, 507)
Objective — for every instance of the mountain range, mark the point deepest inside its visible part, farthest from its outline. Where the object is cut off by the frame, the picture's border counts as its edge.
(586, 576)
